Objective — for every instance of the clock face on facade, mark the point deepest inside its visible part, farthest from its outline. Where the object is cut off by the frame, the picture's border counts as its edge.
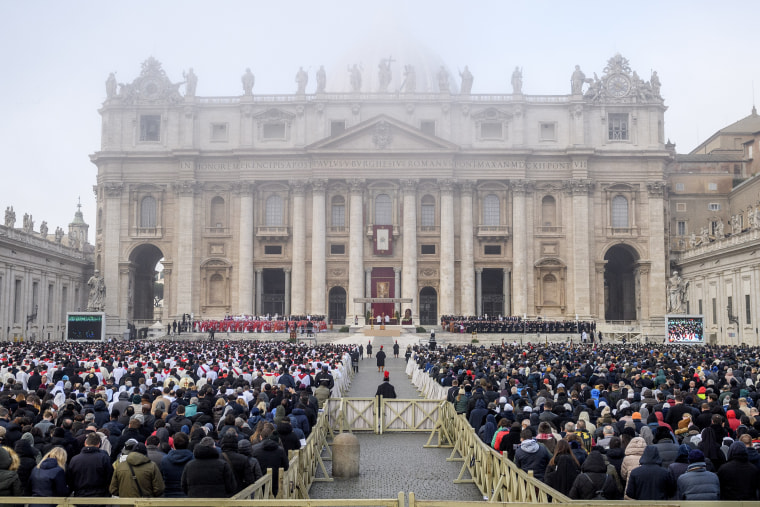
(618, 85)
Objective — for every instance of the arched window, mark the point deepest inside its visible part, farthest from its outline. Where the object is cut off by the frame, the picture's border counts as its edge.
(148, 212)
(383, 210)
(427, 215)
(338, 211)
(491, 210)
(217, 212)
(273, 211)
(619, 212)
(551, 290)
(548, 211)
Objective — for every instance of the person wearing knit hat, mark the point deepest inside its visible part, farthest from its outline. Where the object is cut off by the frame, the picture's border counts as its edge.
(698, 483)
(386, 389)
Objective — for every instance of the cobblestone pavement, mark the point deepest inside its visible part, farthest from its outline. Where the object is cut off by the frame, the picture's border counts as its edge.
(395, 462)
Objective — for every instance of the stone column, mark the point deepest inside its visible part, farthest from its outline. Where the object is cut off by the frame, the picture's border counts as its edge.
(447, 248)
(259, 289)
(507, 294)
(245, 250)
(367, 288)
(397, 289)
(519, 248)
(286, 311)
(581, 250)
(298, 288)
(657, 276)
(110, 260)
(183, 266)
(478, 291)
(355, 248)
(467, 254)
(318, 248)
(409, 278)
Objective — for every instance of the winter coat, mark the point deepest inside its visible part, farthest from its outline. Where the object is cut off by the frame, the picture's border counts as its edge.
(488, 430)
(239, 463)
(49, 479)
(288, 438)
(649, 481)
(147, 473)
(593, 478)
(532, 456)
(698, 484)
(102, 415)
(386, 390)
(668, 451)
(498, 436)
(10, 485)
(171, 468)
(208, 475)
(271, 455)
(380, 357)
(739, 479)
(89, 473)
(301, 421)
(615, 458)
(633, 454)
(562, 474)
(28, 460)
(478, 414)
(246, 449)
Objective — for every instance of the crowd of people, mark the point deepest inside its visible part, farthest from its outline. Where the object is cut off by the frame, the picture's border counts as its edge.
(499, 324)
(150, 419)
(251, 324)
(614, 421)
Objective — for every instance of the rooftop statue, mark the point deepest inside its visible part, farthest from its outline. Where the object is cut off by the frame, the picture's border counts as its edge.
(517, 81)
(44, 229)
(410, 79)
(248, 80)
(10, 217)
(302, 79)
(467, 80)
(321, 79)
(384, 74)
(356, 78)
(111, 86)
(191, 81)
(577, 80)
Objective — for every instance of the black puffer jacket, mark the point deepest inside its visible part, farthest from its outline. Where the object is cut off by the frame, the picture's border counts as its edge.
(649, 481)
(238, 462)
(739, 479)
(593, 478)
(208, 476)
(271, 456)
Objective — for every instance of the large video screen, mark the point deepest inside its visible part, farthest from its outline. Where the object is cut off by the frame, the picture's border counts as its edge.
(687, 329)
(85, 326)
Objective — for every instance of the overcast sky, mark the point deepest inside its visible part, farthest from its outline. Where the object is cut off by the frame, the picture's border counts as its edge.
(56, 55)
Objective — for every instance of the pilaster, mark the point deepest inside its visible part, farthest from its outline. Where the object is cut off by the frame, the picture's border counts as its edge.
(298, 286)
(467, 254)
(318, 248)
(409, 278)
(446, 295)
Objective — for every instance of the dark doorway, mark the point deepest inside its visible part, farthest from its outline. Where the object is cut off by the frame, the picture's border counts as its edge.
(143, 293)
(273, 294)
(493, 292)
(337, 305)
(620, 284)
(428, 307)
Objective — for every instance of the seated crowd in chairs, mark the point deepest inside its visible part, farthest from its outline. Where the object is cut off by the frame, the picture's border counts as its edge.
(488, 324)
(302, 324)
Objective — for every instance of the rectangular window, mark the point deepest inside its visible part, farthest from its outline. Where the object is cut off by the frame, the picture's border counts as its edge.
(337, 127)
(428, 127)
(218, 132)
(681, 226)
(427, 249)
(713, 206)
(64, 301)
(712, 186)
(548, 131)
(150, 128)
(337, 249)
(747, 309)
(274, 131)
(17, 302)
(491, 130)
(618, 126)
(681, 207)
(699, 304)
(680, 187)
(51, 293)
(492, 249)
(338, 215)
(715, 311)
(35, 298)
(273, 249)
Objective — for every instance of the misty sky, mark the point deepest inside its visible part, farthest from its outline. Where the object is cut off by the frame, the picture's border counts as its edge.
(56, 55)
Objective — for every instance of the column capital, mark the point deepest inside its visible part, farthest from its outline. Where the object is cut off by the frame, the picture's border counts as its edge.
(656, 188)
(479, 271)
(396, 270)
(113, 189)
(521, 186)
(356, 185)
(245, 188)
(446, 185)
(258, 271)
(409, 185)
(580, 186)
(466, 186)
(318, 185)
(368, 271)
(187, 187)
(297, 187)
(286, 270)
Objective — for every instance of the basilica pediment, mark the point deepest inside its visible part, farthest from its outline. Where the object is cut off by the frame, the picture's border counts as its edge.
(383, 134)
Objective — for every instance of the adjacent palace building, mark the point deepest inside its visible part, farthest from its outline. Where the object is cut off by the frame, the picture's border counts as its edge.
(393, 183)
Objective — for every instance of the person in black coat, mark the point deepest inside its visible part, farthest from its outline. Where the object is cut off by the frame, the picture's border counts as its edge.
(208, 475)
(386, 389)
(89, 472)
(239, 463)
(649, 481)
(173, 465)
(28, 460)
(562, 469)
(380, 357)
(271, 455)
(739, 479)
(288, 438)
(593, 478)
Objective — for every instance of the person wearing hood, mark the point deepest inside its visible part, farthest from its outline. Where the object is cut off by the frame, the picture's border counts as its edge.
(649, 481)
(49, 477)
(681, 463)
(102, 416)
(633, 453)
(173, 465)
(28, 459)
(739, 479)
(663, 439)
(89, 473)
(270, 455)
(208, 475)
(239, 463)
(592, 479)
(288, 437)
(487, 431)
(246, 449)
(531, 455)
(136, 475)
(698, 483)
(562, 469)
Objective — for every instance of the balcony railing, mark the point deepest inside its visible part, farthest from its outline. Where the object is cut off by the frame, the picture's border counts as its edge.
(550, 229)
(493, 231)
(272, 232)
